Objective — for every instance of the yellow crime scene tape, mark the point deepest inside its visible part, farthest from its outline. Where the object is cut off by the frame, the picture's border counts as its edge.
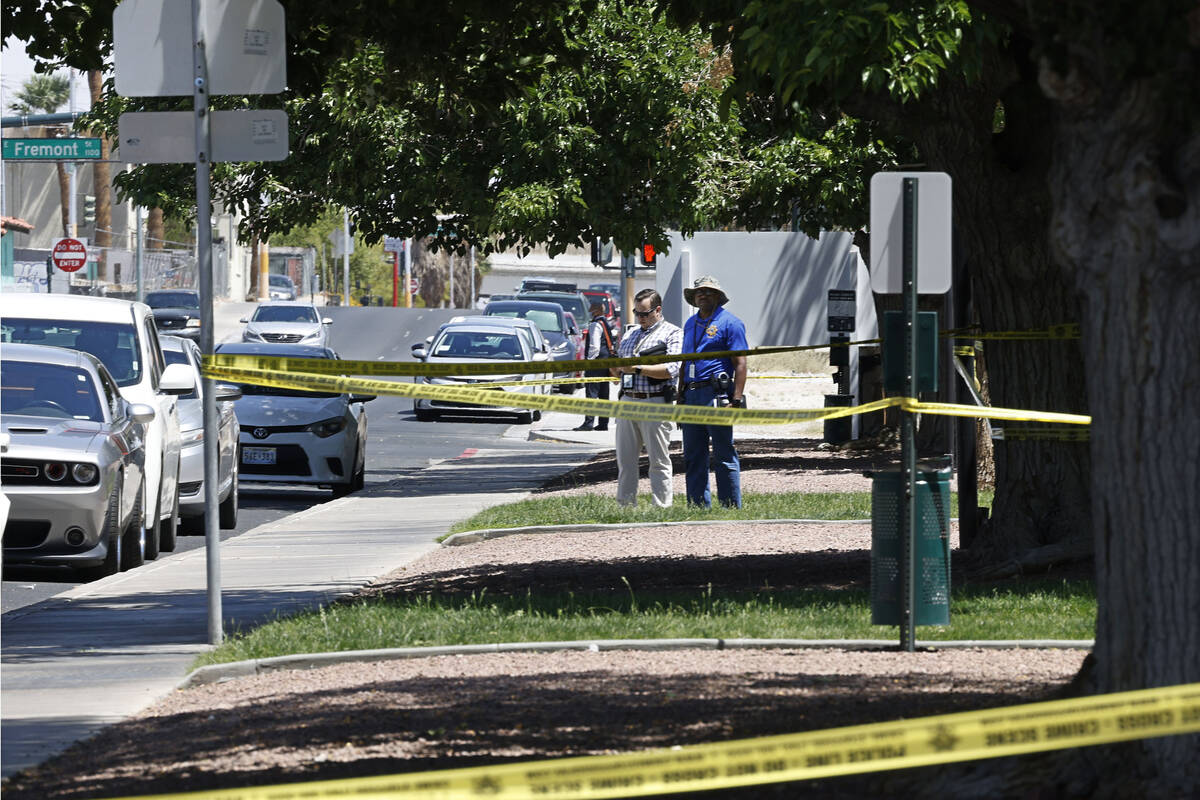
(326, 366)
(942, 739)
(1065, 330)
(644, 412)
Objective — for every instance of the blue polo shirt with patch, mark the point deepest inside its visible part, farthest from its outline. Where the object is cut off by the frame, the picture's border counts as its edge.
(723, 331)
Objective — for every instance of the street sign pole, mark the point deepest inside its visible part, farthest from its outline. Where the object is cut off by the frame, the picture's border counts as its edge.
(908, 443)
(408, 272)
(212, 501)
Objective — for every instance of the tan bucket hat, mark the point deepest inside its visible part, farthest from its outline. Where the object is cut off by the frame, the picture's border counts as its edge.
(705, 282)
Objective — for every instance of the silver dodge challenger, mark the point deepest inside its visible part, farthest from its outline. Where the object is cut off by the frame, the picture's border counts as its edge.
(73, 468)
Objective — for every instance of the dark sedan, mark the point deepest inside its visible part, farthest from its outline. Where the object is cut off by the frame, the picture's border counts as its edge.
(176, 312)
(554, 324)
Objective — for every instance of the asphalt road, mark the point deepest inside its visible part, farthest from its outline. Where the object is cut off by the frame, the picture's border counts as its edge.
(397, 443)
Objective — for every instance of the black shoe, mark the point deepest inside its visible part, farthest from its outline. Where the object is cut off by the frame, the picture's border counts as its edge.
(585, 427)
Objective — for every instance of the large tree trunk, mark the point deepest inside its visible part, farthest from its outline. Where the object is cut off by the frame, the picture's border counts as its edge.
(64, 192)
(156, 230)
(1001, 205)
(1126, 190)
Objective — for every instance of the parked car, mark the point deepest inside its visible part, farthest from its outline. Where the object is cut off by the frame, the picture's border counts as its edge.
(297, 436)
(525, 327)
(614, 289)
(280, 287)
(176, 312)
(546, 285)
(472, 343)
(191, 429)
(574, 302)
(73, 468)
(551, 318)
(287, 323)
(122, 334)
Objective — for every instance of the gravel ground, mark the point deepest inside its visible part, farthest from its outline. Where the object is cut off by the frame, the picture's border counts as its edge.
(450, 711)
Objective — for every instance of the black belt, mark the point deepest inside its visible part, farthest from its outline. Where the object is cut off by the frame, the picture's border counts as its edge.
(696, 385)
(643, 395)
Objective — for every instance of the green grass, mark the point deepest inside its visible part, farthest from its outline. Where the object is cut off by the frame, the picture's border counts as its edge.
(603, 508)
(1025, 610)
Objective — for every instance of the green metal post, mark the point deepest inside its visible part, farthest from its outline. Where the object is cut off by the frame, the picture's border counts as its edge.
(908, 444)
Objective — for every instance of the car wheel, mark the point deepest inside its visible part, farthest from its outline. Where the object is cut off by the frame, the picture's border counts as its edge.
(228, 512)
(424, 416)
(537, 415)
(133, 545)
(525, 418)
(111, 535)
(169, 530)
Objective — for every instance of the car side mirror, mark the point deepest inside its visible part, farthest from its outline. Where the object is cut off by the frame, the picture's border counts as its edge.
(177, 379)
(419, 352)
(326, 320)
(244, 320)
(541, 356)
(141, 412)
(227, 391)
(361, 398)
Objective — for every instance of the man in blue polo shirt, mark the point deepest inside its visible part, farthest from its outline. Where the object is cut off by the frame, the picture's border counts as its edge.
(712, 382)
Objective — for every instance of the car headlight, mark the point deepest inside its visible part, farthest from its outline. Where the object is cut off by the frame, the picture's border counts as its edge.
(251, 336)
(192, 323)
(314, 335)
(327, 427)
(561, 348)
(84, 473)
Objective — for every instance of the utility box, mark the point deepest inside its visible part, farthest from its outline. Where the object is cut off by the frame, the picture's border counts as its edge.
(893, 352)
(931, 543)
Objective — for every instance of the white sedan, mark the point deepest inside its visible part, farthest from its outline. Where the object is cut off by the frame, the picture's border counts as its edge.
(287, 323)
(296, 436)
(472, 343)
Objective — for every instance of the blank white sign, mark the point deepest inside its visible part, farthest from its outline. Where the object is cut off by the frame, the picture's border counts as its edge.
(933, 232)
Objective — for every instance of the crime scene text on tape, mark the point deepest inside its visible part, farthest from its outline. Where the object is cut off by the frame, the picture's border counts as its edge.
(942, 739)
(646, 412)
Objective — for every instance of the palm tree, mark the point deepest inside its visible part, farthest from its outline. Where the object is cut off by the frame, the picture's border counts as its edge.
(46, 94)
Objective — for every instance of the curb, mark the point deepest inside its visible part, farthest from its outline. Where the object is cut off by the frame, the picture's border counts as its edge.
(218, 673)
(483, 534)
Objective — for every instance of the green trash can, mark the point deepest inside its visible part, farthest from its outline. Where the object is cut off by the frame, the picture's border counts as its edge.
(931, 542)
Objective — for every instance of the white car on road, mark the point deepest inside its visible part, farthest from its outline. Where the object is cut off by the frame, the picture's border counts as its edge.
(296, 436)
(472, 343)
(122, 334)
(191, 423)
(287, 323)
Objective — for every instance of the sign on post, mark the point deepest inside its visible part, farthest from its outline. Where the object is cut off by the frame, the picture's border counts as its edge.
(169, 137)
(244, 39)
(393, 244)
(69, 255)
(933, 232)
(51, 149)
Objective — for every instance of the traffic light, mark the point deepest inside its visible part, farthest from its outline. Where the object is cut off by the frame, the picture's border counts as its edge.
(649, 256)
(89, 209)
(602, 252)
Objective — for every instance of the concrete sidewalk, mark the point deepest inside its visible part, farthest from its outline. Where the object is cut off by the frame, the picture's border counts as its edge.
(102, 651)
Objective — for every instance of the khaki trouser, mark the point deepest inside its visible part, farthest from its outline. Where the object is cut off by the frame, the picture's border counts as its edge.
(631, 436)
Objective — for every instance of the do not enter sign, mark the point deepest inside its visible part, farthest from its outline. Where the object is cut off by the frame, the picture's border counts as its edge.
(69, 254)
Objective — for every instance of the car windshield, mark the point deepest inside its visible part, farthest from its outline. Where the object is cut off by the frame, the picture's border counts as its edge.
(48, 390)
(172, 300)
(178, 357)
(492, 345)
(114, 343)
(545, 320)
(285, 314)
(281, 280)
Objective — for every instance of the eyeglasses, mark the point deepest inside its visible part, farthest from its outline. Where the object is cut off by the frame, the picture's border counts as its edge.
(644, 314)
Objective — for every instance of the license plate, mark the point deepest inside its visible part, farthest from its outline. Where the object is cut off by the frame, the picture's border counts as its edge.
(258, 455)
